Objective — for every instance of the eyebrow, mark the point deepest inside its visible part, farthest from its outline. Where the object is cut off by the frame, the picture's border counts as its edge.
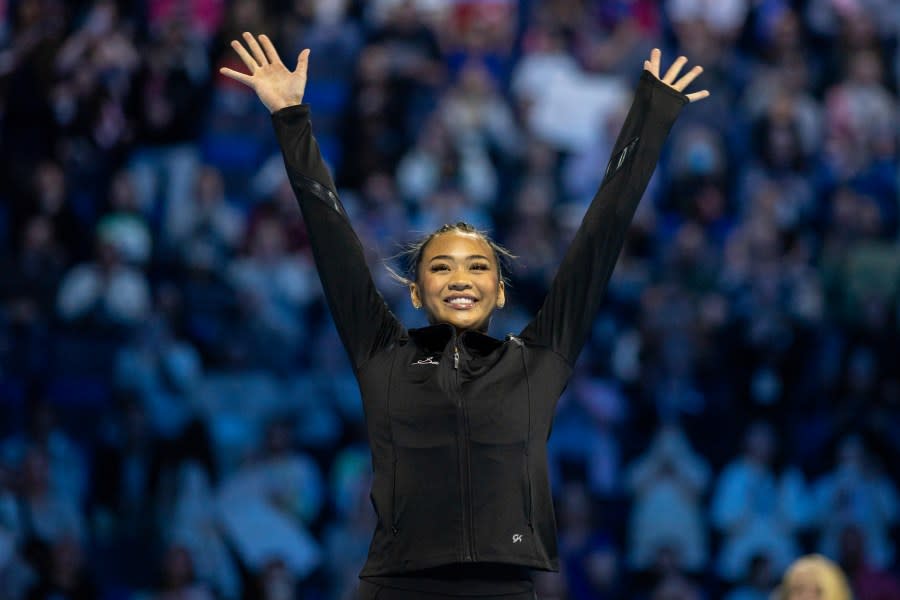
(448, 257)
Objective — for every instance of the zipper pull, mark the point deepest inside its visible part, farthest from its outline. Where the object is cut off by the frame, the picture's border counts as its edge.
(456, 358)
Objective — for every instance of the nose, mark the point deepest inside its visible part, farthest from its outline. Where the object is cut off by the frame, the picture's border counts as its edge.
(458, 286)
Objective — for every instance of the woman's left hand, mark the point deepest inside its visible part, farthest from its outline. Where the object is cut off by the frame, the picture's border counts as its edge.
(671, 77)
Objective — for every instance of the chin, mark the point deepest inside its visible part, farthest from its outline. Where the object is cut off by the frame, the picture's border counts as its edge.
(470, 324)
(474, 324)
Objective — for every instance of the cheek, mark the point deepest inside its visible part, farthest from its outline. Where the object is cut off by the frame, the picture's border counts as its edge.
(430, 288)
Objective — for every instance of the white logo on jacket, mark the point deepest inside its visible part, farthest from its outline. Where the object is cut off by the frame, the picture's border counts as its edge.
(428, 360)
(517, 537)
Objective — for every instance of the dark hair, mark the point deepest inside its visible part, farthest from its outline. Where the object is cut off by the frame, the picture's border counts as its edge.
(411, 256)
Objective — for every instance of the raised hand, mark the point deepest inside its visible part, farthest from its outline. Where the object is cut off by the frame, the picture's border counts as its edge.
(652, 65)
(275, 85)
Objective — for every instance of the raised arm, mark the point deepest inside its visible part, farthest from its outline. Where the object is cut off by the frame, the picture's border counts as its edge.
(363, 320)
(564, 320)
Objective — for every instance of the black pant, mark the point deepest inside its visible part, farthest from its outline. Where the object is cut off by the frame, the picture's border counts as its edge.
(484, 581)
(373, 591)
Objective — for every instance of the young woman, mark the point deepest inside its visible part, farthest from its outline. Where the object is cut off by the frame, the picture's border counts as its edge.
(457, 420)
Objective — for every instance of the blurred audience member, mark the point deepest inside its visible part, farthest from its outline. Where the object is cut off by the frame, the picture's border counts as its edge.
(668, 483)
(814, 576)
(758, 512)
(857, 493)
(105, 293)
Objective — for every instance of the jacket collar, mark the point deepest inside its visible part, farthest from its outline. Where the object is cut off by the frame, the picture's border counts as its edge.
(436, 337)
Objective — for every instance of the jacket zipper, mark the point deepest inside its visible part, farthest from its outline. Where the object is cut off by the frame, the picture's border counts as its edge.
(465, 484)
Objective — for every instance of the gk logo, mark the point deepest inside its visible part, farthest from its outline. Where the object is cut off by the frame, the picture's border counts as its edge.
(517, 537)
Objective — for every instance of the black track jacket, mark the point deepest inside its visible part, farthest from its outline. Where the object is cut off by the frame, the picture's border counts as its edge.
(458, 424)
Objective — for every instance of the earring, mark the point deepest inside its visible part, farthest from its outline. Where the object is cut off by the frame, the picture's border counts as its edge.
(416, 305)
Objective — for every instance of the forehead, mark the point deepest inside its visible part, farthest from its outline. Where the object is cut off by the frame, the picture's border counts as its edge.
(457, 244)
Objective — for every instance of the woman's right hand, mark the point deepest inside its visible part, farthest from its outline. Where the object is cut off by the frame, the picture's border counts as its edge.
(275, 85)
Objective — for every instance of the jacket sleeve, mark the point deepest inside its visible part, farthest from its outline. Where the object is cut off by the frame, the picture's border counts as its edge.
(564, 319)
(362, 317)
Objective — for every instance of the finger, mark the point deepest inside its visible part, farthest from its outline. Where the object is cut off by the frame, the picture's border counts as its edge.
(258, 53)
(655, 55)
(245, 56)
(303, 60)
(242, 77)
(270, 50)
(694, 96)
(690, 76)
(674, 70)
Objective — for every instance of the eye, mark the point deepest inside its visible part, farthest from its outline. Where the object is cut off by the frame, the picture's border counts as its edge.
(480, 267)
(438, 267)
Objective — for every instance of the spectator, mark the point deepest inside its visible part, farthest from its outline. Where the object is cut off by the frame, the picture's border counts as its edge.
(668, 482)
(208, 223)
(105, 293)
(857, 493)
(588, 422)
(48, 517)
(441, 161)
(124, 226)
(66, 461)
(814, 576)
(268, 504)
(167, 102)
(196, 527)
(160, 369)
(274, 286)
(757, 511)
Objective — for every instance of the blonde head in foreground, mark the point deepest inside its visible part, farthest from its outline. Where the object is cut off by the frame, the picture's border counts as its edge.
(814, 577)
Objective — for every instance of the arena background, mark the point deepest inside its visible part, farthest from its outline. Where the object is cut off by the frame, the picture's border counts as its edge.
(177, 417)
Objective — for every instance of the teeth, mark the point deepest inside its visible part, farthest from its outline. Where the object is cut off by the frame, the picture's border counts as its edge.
(462, 301)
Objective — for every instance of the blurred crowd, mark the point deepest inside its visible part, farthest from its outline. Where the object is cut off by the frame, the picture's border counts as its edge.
(178, 418)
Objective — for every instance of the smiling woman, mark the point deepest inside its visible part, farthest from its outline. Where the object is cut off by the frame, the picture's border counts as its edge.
(456, 274)
(458, 421)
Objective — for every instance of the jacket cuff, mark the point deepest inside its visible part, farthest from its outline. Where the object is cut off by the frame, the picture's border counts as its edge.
(293, 113)
(648, 78)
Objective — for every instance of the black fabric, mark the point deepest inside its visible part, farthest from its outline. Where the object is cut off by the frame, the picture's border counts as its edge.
(459, 580)
(458, 423)
(373, 591)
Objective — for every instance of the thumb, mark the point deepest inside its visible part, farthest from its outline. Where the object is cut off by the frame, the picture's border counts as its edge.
(303, 60)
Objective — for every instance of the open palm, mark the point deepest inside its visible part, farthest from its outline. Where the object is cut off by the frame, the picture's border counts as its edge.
(276, 86)
(671, 77)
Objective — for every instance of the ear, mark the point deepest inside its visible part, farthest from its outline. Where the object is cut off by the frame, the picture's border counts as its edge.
(414, 296)
(501, 295)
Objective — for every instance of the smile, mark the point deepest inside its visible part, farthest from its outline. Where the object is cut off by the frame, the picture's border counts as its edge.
(461, 302)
